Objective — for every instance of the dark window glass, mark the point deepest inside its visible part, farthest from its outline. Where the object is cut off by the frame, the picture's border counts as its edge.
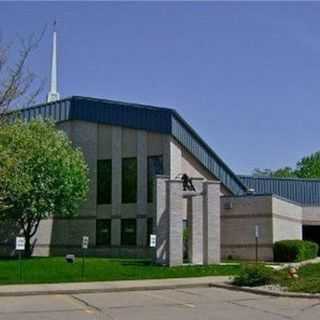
(129, 180)
(185, 235)
(103, 232)
(104, 181)
(155, 166)
(128, 232)
(149, 229)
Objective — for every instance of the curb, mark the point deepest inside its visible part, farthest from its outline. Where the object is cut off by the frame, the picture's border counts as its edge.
(102, 290)
(264, 292)
(210, 284)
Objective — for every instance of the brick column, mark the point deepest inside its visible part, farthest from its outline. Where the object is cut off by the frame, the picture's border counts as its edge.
(175, 210)
(162, 220)
(195, 225)
(116, 170)
(142, 189)
(141, 231)
(116, 231)
(211, 222)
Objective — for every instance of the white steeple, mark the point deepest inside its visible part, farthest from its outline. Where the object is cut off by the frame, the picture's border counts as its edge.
(53, 94)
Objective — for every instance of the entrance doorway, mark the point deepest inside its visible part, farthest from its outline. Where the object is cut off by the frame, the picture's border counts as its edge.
(311, 233)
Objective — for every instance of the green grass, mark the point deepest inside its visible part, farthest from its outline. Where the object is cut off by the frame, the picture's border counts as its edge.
(308, 281)
(55, 269)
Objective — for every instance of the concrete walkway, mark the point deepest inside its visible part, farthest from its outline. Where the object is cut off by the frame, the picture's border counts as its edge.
(109, 286)
(294, 264)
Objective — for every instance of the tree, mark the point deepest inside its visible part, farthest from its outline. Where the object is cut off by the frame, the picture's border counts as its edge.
(262, 172)
(18, 85)
(309, 166)
(285, 172)
(41, 175)
(279, 173)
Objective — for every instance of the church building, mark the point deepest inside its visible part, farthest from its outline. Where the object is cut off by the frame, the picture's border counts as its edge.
(152, 174)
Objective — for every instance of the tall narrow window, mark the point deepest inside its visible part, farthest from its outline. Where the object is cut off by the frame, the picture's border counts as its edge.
(104, 181)
(128, 232)
(129, 180)
(155, 166)
(103, 232)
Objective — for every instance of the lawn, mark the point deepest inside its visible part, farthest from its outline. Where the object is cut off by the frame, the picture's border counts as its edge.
(308, 281)
(55, 269)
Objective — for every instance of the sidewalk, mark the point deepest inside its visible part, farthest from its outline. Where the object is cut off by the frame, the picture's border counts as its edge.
(109, 286)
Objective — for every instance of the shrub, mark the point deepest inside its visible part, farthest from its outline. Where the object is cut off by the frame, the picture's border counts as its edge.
(294, 250)
(254, 275)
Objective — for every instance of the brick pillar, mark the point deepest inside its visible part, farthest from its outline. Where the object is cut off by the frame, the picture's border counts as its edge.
(195, 225)
(211, 222)
(162, 220)
(175, 212)
(141, 232)
(142, 189)
(116, 170)
(115, 231)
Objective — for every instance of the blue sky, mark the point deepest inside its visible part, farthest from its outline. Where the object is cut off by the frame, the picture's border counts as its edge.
(246, 76)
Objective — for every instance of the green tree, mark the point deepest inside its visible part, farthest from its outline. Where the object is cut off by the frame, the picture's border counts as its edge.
(279, 173)
(41, 175)
(285, 172)
(309, 166)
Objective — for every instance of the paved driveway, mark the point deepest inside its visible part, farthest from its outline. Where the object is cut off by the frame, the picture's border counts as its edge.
(199, 303)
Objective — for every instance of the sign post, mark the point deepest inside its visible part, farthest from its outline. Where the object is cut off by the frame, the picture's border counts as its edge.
(20, 246)
(85, 245)
(257, 234)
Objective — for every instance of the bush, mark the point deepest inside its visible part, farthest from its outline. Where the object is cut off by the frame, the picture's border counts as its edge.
(294, 250)
(254, 275)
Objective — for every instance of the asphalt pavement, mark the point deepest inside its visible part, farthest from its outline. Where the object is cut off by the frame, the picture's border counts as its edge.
(181, 303)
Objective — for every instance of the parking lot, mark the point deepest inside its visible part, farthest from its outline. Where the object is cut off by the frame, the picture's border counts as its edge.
(196, 303)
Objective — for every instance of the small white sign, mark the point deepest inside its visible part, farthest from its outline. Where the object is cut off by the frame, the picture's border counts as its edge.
(257, 232)
(85, 242)
(20, 243)
(153, 240)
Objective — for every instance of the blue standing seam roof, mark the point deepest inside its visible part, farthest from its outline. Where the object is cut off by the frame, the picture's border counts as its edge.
(303, 191)
(137, 116)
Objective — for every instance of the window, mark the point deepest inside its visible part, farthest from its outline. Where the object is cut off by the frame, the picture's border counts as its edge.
(129, 180)
(149, 230)
(128, 232)
(155, 166)
(103, 232)
(104, 181)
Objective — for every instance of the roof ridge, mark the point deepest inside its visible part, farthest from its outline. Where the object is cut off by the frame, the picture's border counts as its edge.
(280, 178)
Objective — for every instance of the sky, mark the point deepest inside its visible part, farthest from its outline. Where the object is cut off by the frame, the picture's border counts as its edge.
(245, 75)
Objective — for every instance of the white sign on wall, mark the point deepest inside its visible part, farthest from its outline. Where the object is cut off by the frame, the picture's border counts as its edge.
(85, 242)
(20, 243)
(153, 240)
(257, 232)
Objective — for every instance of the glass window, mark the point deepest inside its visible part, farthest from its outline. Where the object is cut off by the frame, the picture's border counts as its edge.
(129, 180)
(104, 181)
(128, 232)
(155, 167)
(103, 232)
(149, 230)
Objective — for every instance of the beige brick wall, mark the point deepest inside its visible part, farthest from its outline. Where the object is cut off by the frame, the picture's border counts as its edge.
(238, 227)
(311, 216)
(287, 220)
(277, 220)
(99, 141)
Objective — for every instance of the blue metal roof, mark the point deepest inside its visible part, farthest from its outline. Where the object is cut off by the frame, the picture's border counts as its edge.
(137, 116)
(303, 191)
